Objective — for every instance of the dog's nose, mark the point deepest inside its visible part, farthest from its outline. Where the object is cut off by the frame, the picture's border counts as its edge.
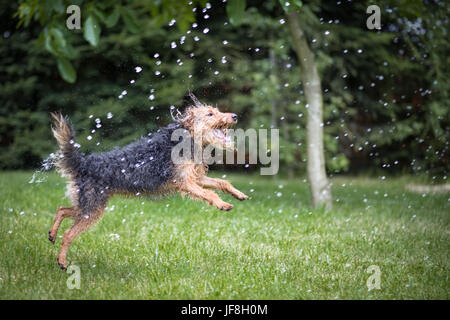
(234, 117)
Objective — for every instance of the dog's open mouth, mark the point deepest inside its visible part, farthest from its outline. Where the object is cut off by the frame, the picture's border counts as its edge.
(221, 134)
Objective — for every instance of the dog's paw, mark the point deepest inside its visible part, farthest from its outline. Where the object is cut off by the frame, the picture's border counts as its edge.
(50, 237)
(62, 265)
(225, 206)
(243, 197)
(240, 196)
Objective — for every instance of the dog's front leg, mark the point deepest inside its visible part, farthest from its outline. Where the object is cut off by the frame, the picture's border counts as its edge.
(197, 192)
(222, 185)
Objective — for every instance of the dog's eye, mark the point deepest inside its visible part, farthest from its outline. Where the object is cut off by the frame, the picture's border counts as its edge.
(210, 114)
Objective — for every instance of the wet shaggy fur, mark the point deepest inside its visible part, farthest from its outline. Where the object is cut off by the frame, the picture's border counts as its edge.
(140, 168)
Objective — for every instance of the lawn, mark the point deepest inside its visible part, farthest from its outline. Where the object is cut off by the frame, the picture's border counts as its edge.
(272, 246)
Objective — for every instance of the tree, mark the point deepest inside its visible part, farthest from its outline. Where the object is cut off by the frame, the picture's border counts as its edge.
(385, 91)
(318, 182)
(135, 15)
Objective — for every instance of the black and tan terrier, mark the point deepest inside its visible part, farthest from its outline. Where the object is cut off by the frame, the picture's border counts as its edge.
(140, 168)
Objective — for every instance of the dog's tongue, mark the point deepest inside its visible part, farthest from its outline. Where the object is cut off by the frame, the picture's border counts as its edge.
(219, 134)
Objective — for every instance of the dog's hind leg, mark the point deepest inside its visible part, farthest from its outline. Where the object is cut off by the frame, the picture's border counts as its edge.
(81, 224)
(61, 214)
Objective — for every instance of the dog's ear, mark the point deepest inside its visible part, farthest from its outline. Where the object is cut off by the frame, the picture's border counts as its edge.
(194, 99)
(187, 119)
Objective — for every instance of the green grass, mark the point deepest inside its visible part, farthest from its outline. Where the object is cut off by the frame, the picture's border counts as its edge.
(272, 246)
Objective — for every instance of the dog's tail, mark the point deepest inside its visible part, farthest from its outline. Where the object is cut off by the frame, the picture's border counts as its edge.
(68, 158)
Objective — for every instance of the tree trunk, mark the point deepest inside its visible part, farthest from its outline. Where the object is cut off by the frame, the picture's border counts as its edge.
(318, 182)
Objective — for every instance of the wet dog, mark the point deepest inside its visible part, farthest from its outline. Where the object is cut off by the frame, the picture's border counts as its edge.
(140, 168)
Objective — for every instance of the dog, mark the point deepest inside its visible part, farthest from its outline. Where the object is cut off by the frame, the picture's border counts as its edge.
(144, 167)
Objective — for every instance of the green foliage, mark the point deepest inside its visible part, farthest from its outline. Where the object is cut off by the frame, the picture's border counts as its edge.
(385, 92)
(66, 70)
(236, 11)
(290, 5)
(134, 13)
(92, 30)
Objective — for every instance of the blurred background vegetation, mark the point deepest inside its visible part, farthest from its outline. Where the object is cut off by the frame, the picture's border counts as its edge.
(386, 104)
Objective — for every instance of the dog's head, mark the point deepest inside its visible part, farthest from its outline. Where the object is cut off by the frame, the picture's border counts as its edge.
(208, 124)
